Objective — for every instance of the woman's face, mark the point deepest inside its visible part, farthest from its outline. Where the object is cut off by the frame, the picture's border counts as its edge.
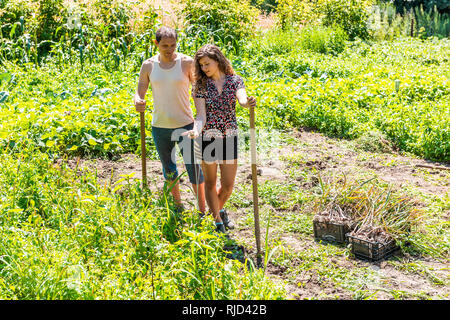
(209, 66)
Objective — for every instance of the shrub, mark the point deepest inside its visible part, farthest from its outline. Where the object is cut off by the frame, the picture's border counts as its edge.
(432, 22)
(50, 15)
(292, 13)
(323, 39)
(11, 12)
(266, 6)
(225, 22)
(276, 41)
(374, 141)
(350, 15)
(327, 40)
(385, 23)
(111, 15)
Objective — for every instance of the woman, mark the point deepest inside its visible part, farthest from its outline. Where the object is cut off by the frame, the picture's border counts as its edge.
(215, 92)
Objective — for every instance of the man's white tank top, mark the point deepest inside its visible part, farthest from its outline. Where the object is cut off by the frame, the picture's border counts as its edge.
(170, 88)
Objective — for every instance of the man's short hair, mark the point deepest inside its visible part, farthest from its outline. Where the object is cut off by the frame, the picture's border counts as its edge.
(166, 32)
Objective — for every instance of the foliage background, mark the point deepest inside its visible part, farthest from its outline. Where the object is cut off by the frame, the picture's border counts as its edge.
(69, 70)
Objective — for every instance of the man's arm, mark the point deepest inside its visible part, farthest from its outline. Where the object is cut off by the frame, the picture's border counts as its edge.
(188, 67)
(200, 119)
(144, 81)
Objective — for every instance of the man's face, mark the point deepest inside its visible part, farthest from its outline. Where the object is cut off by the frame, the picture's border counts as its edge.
(167, 46)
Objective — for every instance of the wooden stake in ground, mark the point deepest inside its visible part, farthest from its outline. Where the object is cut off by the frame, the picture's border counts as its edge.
(255, 186)
(432, 167)
(143, 150)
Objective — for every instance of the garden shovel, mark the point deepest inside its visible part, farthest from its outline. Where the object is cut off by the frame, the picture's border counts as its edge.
(255, 186)
(144, 163)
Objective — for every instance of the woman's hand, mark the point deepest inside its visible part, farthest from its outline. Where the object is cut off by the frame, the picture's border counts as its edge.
(251, 102)
(192, 134)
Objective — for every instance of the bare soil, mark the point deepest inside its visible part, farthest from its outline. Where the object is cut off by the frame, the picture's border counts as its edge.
(329, 157)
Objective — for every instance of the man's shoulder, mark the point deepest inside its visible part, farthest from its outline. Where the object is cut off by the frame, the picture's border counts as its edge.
(185, 58)
(147, 64)
(149, 61)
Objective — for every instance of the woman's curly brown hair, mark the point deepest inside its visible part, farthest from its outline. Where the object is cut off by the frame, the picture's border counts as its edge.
(213, 52)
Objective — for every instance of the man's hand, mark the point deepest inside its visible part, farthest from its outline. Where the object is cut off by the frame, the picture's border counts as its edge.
(139, 104)
(143, 84)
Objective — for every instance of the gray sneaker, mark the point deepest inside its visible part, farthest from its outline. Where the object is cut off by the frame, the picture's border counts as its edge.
(226, 220)
(179, 208)
(220, 228)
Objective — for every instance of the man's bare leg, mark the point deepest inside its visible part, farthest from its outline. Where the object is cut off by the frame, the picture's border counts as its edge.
(199, 191)
(175, 191)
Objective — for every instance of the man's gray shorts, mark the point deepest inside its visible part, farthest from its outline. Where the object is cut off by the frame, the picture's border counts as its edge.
(165, 140)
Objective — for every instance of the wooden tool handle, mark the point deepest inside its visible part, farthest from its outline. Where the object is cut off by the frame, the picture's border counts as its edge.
(255, 182)
(143, 150)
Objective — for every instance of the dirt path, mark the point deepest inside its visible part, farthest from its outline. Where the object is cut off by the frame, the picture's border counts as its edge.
(296, 163)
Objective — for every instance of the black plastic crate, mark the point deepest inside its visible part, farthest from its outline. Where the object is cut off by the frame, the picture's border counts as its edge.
(371, 251)
(330, 232)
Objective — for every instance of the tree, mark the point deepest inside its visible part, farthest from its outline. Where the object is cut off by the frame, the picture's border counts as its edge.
(402, 6)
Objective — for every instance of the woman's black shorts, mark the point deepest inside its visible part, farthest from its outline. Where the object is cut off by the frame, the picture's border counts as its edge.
(217, 149)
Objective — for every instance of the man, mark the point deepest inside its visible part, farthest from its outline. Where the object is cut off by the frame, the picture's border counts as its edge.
(169, 73)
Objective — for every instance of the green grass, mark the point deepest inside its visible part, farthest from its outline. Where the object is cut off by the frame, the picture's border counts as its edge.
(66, 237)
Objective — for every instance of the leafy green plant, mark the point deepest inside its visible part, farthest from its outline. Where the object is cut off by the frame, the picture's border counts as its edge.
(67, 237)
(385, 23)
(17, 12)
(295, 13)
(433, 23)
(115, 15)
(328, 40)
(374, 141)
(227, 22)
(50, 13)
(350, 15)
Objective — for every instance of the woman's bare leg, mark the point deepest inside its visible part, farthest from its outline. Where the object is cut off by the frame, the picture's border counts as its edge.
(227, 177)
(210, 174)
